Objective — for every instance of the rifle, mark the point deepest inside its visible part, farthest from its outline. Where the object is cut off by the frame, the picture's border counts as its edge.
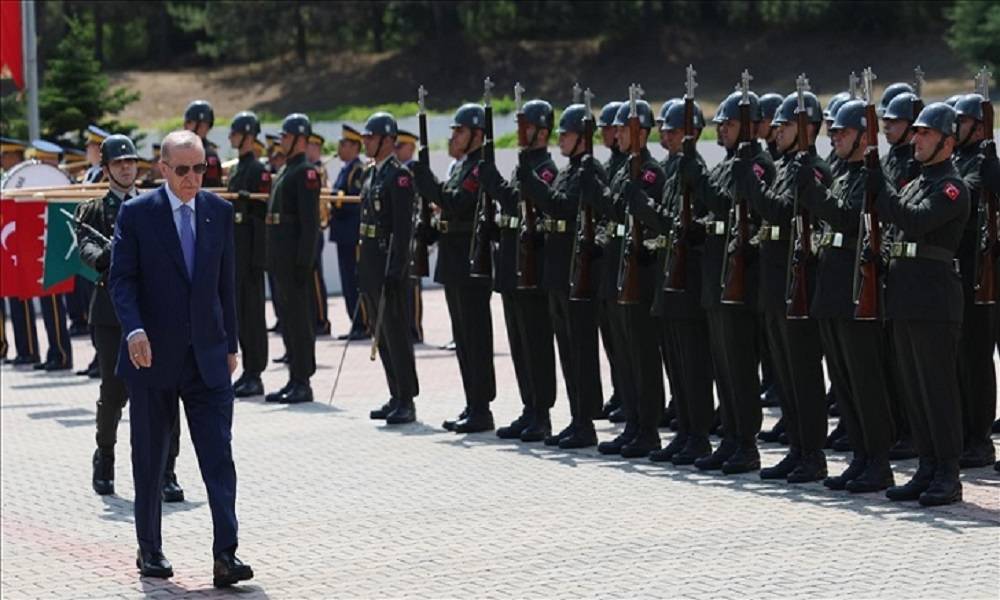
(918, 90)
(734, 267)
(986, 288)
(580, 284)
(97, 235)
(480, 247)
(675, 274)
(852, 86)
(380, 310)
(527, 258)
(868, 254)
(628, 267)
(800, 250)
(420, 260)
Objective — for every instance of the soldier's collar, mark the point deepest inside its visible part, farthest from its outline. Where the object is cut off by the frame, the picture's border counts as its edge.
(381, 164)
(248, 155)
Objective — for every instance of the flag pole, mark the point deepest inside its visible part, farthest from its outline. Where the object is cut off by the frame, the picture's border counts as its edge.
(30, 37)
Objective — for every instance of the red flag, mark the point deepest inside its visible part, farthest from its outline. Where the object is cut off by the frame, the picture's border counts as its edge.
(10, 275)
(11, 60)
(26, 238)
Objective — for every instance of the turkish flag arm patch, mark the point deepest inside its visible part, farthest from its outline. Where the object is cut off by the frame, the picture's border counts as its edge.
(547, 175)
(649, 176)
(758, 171)
(403, 181)
(312, 180)
(951, 190)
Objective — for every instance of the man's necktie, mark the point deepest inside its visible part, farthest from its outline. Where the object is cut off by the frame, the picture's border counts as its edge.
(187, 238)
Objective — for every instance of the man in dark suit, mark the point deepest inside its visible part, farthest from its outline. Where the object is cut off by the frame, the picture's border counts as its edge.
(173, 285)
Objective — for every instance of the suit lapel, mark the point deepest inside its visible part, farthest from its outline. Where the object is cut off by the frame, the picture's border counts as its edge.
(168, 231)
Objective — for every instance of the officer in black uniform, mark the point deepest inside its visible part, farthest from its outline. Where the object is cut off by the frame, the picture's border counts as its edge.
(118, 161)
(829, 114)
(794, 343)
(384, 262)
(344, 222)
(977, 375)
(769, 104)
(321, 306)
(468, 297)
(924, 300)
(605, 124)
(526, 307)
(683, 323)
(247, 177)
(78, 301)
(292, 228)
(406, 148)
(637, 329)
(854, 350)
(199, 117)
(734, 328)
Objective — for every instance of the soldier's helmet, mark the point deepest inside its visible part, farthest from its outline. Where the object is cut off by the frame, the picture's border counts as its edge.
(608, 113)
(790, 106)
(663, 110)
(901, 107)
(891, 92)
(970, 105)
(830, 112)
(571, 119)
(953, 100)
(938, 116)
(381, 123)
(769, 104)
(200, 111)
(538, 113)
(850, 115)
(674, 119)
(642, 109)
(730, 108)
(297, 124)
(117, 147)
(469, 115)
(246, 123)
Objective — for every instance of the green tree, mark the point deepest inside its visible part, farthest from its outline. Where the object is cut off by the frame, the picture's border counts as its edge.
(975, 32)
(74, 92)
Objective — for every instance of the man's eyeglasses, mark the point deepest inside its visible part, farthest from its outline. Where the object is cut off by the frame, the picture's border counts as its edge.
(182, 170)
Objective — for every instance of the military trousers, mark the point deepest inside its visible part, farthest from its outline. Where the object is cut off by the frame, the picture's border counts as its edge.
(395, 346)
(22, 321)
(604, 327)
(251, 320)
(642, 351)
(854, 353)
(735, 350)
(797, 356)
(687, 341)
(298, 324)
(977, 373)
(529, 334)
(60, 349)
(575, 321)
(472, 331)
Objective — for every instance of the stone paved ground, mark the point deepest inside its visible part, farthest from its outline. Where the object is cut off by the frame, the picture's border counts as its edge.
(333, 505)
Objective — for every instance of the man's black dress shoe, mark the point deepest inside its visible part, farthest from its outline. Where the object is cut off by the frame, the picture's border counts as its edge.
(153, 564)
(229, 570)
(172, 491)
(281, 359)
(276, 396)
(383, 411)
(24, 360)
(297, 393)
(449, 424)
(103, 478)
(404, 412)
(250, 385)
(475, 422)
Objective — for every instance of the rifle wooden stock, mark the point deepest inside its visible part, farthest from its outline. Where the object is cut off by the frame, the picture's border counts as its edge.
(868, 255)
(527, 257)
(480, 251)
(676, 263)
(581, 286)
(734, 273)
(628, 268)
(421, 254)
(800, 249)
(986, 285)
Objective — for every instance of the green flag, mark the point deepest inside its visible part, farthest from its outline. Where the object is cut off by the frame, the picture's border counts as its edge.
(62, 252)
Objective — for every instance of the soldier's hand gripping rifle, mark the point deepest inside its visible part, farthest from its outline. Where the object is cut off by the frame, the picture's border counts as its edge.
(675, 276)
(580, 284)
(734, 267)
(800, 250)
(480, 248)
(628, 267)
(985, 291)
(868, 254)
(420, 260)
(97, 235)
(527, 257)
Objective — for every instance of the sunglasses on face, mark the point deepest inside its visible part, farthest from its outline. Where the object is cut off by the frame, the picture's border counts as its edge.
(182, 170)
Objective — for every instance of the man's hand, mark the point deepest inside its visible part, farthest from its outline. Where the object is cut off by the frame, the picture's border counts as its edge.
(139, 351)
(232, 360)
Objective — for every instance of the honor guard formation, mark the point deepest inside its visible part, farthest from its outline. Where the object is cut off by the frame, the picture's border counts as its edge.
(877, 273)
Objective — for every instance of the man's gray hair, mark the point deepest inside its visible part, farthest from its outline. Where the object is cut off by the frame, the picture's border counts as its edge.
(179, 139)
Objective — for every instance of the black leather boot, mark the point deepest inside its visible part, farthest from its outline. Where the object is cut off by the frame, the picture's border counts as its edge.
(945, 488)
(917, 485)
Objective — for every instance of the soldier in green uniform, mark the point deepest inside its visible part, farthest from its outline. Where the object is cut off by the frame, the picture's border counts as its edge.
(468, 297)
(794, 344)
(247, 177)
(526, 309)
(118, 161)
(314, 152)
(292, 228)
(977, 375)
(924, 299)
(199, 117)
(734, 329)
(384, 263)
(854, 350)
(632, 322)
